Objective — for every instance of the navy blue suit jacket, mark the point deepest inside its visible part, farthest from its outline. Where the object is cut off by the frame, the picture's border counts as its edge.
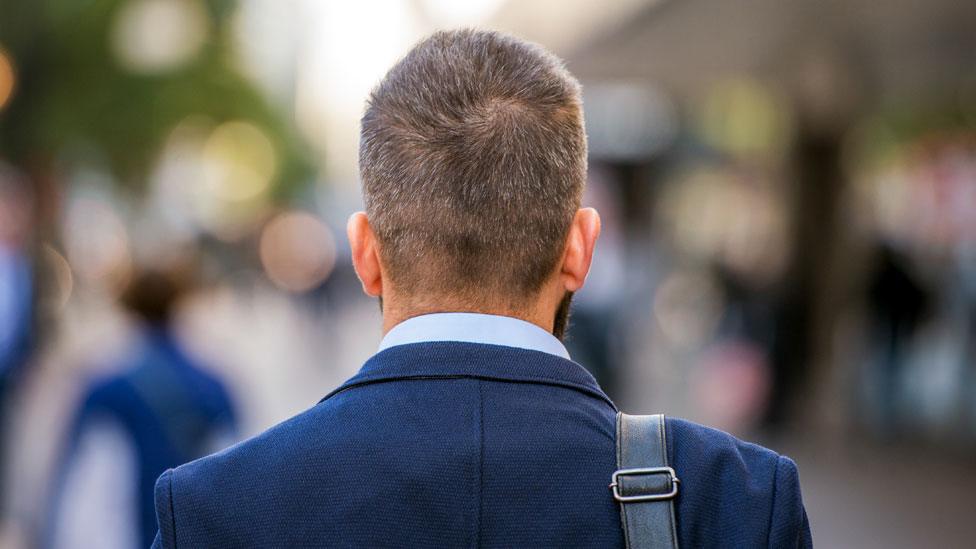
(466, 445)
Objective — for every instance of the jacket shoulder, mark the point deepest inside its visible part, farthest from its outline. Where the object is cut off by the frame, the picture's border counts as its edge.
(745, 492)
(191, 499)
(709, 446)
(166, 535)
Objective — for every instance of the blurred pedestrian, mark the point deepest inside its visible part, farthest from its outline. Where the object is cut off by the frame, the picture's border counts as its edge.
(161, 409)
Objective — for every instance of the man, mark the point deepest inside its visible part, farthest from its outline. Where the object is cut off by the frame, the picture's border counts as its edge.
(470, 426)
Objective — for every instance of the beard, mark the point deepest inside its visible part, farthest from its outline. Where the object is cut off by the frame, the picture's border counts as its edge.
(561, 321)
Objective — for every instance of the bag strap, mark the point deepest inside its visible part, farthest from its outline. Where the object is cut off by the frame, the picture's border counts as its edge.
(644, 484)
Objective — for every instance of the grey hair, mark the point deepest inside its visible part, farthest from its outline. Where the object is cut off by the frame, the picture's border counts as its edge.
(473, 159)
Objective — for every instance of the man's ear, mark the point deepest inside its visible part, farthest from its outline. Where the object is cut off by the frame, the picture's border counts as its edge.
(365, 256)
(580, 244)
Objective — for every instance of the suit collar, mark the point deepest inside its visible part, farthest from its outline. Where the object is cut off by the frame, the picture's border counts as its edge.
(452, 359)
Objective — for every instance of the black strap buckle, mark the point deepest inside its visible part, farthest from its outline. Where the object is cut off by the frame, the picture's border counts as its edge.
(672, 478)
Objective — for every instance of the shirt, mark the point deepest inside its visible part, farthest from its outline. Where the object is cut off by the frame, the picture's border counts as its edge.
(474, 328)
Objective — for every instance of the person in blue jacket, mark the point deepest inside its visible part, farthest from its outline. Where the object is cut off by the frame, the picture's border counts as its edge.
(470, 426)
(160, 408)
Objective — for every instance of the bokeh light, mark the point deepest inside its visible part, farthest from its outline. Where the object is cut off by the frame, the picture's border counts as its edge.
(736, 219)
(97, 243)
(7, 79)
(240, 162)
(297, 251)
(731, 385)
(236, 166)
(687, 306)
(153, 36)
(744, 118)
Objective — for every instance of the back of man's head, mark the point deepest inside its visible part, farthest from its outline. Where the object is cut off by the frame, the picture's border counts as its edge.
(473, 159)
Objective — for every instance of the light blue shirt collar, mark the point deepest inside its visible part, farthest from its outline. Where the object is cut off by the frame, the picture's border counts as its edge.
(474, 328)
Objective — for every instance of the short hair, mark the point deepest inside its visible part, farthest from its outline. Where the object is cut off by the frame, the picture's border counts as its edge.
(473, 159)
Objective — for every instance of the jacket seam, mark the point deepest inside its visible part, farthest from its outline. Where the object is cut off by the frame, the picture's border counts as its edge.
(426, 377)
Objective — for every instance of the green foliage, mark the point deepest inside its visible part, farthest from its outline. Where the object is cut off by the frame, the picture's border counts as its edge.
(74, 97)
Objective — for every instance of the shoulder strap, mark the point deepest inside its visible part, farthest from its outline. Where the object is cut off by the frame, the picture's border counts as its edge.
(644, 484)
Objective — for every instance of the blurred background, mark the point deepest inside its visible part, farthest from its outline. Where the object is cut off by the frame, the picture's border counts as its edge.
(788, 191)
